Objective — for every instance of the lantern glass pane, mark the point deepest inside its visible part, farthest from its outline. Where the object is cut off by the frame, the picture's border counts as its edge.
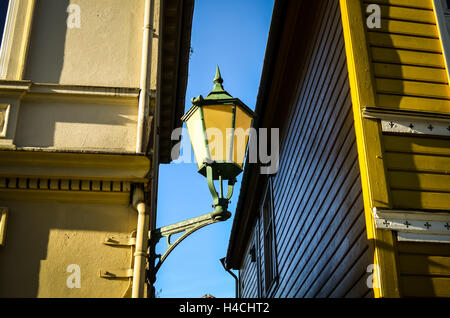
(218, 122)
(195, 129)
(243, 123)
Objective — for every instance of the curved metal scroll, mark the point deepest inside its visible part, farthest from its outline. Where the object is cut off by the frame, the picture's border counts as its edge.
(190, 226)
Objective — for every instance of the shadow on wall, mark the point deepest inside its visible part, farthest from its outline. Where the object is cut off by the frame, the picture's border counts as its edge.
(391, 77)
(37, 231)
(48, 35)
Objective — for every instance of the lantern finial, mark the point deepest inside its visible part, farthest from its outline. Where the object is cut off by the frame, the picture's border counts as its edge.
(218, 79)
(218, 91)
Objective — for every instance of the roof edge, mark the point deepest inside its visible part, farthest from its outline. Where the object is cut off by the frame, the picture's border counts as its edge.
(232, 260)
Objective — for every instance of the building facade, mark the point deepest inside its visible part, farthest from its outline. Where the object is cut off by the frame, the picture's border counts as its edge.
(359, 206)
(90, 92)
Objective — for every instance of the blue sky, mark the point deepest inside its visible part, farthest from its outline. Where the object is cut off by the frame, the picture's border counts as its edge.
(231, 34)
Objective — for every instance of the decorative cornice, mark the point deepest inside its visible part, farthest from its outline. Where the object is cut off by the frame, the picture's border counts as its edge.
(64, 184)
(88, 94)
(88, 191)
(74, 166)
(56, 92)
(14, 88)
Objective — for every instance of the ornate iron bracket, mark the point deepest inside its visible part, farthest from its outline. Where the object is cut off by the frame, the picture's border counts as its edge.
(220, 213)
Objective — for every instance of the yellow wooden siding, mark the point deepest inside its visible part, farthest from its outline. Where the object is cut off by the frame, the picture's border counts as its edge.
(414, 144)
(424, 269)
(406, 53)
(406, 14)
(411, 180)
(368, 136)
(409, 74)
(416, 264)
(418, 171)
(408, 28)
(405, 57)
(421, 89)
(405, 42)
(402, 102)
(405, 71)
(417, 4)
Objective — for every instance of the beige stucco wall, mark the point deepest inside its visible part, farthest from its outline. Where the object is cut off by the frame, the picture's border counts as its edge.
(94, 60)
(44, 238)
(69, 90)
(86, 126)
(104, 51)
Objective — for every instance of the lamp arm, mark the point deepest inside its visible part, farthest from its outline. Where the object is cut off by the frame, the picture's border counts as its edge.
(231, 183)
(212, 188)
(220, 213)
(188, 227)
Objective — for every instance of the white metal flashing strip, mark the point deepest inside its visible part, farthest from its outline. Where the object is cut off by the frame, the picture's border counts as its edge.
(428, 127)
(413, 222)
(405, 122)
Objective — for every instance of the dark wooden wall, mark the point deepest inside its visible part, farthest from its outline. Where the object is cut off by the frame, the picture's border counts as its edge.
(321, 244)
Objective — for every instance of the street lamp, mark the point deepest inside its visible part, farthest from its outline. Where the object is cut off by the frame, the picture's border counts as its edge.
(218, 126)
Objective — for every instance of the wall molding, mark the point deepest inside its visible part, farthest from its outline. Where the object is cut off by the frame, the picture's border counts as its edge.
(74, 166)
(414, 222)
(72, 190)
(64, 184)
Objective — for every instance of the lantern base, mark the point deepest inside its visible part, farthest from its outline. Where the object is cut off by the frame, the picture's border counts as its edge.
(227, 170)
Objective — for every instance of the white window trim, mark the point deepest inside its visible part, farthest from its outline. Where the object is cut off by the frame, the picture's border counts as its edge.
(268, 194)
(7, 33)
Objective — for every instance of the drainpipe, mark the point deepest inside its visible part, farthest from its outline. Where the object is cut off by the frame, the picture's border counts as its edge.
(140, 254)
(144, 83)
(236, 280)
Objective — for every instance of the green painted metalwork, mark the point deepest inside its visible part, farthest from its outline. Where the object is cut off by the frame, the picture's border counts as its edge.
(218, 96)
(233, 123)
(218, 91)
(188, 227)
(212, 170)
(202, 118)
(220, 213)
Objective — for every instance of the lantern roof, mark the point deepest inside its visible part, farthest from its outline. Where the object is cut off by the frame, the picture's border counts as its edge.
(217, 96)
(218, 91)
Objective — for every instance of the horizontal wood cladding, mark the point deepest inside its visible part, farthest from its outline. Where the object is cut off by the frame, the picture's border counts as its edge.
(407, 59)
(424, 269)
(412, 73)
(248, 276)
(419, 171)
(404, 42)
(406, 14)
(415, 4)
(321, 241)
